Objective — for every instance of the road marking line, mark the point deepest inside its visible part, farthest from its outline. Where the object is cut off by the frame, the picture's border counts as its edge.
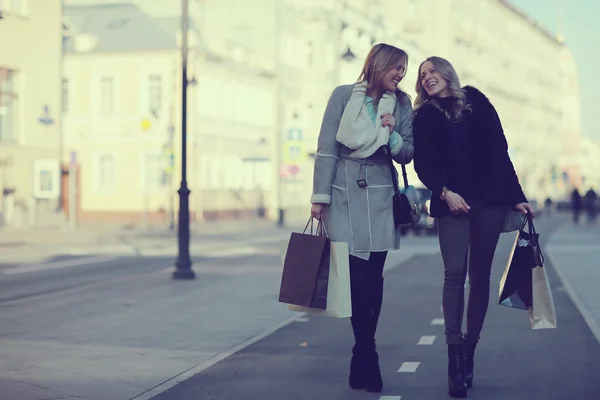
(426, 341)
(409, 367)
(390, 398)
(58, 264)
(303, 319)
(148, 394)
(575, 298)
(437, 321)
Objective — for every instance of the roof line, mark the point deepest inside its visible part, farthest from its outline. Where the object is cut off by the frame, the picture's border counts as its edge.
(544, 31)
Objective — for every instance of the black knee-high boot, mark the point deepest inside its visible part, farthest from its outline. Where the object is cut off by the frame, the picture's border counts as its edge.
(373, 380)
(364, 367)
(362, 327)
(366, 306)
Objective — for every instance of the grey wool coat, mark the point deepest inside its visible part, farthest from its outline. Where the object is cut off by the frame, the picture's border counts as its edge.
(362, 217)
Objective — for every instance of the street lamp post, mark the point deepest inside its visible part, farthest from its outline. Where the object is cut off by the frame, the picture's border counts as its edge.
(183, 263)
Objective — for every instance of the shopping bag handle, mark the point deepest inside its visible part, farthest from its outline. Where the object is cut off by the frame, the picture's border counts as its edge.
(528, 220)
(531, 227)
(320, 231)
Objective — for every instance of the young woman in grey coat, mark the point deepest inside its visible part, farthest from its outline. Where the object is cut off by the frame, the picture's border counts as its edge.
(364, 124)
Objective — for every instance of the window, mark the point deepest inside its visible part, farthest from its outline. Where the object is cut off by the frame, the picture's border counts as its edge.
(65, 95)
(155, 176)
(105, 172)
(13, 7)
(8, 100)
(155, 95)
(107, 95)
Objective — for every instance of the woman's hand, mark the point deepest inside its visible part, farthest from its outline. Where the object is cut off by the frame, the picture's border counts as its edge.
(525, 208)
(457, 204)
(317, 210)
(388, 120)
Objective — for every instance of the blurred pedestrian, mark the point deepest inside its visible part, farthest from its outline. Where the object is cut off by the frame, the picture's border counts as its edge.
(591, 205)
(576, 205)
(461, 155)
(353, 190)
(548, 206)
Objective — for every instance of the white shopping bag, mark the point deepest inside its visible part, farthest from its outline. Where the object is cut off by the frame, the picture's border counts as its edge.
(339, 301)
(542, 315)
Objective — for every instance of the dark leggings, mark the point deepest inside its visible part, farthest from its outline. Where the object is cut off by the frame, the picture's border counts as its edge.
(468, 242)
(366, 282)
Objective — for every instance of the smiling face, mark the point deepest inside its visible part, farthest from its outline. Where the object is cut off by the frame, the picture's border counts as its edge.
(392, 77)
(384, 68)
(432, 81)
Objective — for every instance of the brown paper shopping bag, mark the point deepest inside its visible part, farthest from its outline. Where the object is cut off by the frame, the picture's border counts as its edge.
(306, 269)
(339, 302)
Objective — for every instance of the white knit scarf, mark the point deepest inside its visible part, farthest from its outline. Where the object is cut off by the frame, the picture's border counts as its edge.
(356, 130)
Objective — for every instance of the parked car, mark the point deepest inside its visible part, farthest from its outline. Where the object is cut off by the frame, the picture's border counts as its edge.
(427, 224)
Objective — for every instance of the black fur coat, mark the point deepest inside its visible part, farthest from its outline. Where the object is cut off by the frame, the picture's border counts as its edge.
(469, 157)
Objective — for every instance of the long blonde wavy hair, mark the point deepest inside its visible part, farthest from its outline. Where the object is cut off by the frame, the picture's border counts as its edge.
(448, 72)
(380, 59)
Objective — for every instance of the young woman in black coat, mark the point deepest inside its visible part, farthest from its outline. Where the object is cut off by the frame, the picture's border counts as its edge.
(461, 155)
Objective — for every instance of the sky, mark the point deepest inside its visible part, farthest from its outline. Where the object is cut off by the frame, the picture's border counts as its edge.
(581, 29)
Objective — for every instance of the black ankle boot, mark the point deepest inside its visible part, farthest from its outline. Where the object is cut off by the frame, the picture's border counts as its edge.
(357, 373)
(469, 351)
(457, 386)
(373, 381)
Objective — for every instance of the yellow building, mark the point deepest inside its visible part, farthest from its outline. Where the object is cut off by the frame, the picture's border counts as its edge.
(30, 111)
(123, 75)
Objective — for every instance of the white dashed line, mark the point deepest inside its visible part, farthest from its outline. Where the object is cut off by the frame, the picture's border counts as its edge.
(426, 341)
(437, 321)
(409, 367)
(390, 397)
(302, 319)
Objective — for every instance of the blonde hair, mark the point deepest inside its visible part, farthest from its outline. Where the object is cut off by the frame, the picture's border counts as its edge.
(380, 59)
(448, 72)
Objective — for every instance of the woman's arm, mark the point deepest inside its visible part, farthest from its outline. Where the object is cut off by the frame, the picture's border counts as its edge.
(402, 141)
(328, 148)
(499, 150)
(428, 167)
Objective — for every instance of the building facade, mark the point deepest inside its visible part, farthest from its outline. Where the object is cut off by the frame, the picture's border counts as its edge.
(526, 72)
(123, 124)
(261, 78)
(30, 111)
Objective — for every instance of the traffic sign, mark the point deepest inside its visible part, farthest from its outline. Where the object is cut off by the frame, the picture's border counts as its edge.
(46, 119)
(288, 170)
(146, 124)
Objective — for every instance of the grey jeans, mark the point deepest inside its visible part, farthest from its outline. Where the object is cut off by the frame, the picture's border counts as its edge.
(468, 242)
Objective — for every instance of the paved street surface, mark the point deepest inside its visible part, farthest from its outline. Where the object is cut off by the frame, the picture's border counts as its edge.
(104, 326)
(309, 358)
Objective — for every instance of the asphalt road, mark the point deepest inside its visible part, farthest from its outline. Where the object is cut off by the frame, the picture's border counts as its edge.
(309, 359)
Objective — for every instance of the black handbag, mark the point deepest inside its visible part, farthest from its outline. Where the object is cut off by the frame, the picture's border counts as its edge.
(405, 201)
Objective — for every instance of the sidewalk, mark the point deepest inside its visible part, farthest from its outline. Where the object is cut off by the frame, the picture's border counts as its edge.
(575, 254)
(37, 244)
